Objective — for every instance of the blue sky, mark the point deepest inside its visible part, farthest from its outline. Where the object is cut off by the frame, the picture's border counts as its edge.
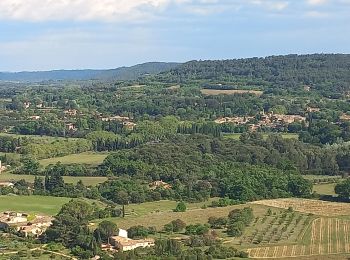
(72, 34)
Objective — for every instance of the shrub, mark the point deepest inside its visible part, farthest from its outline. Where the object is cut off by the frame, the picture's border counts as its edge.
(180, 207)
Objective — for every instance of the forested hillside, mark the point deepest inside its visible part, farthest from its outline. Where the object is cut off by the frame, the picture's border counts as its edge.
(320, 71)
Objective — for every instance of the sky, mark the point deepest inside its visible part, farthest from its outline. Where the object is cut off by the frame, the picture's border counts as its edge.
(98, 34)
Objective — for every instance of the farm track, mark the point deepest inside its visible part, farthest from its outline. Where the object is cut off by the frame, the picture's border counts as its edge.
(329, 236)
(320, 244)
(346, 237)
(337, 234)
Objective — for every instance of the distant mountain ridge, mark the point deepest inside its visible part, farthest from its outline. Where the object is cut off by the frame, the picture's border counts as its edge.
(122, 73)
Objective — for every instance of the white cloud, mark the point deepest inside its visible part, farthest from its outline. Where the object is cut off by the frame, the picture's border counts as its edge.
(141, 10)
(316, 2)
(272, 5)
(115, 10)
(317, 14)
(41, 10)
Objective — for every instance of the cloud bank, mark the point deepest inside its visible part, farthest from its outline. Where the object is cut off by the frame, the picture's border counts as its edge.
(81, 10)
(131, 10)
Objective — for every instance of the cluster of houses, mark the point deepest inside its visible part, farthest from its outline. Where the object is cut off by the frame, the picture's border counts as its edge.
(344, 117)
(238, 120)
(27, 105)
(6, 184)
(160, 184)
(35, 225)
(265, 120)
(121, 242)
(34, 117)
(25, 224)
(126, 121)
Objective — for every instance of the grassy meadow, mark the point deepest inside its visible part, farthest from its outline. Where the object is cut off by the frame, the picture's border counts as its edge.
(325, 189)
(90, 158)
(32, 204)
(320, 177)
(89, 181)
(159, 213)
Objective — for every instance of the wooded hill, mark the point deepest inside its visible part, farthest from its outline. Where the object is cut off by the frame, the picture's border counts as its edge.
(122, 73)
(320, 71)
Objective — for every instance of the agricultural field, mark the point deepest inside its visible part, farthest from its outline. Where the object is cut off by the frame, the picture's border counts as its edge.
(325, 236)
(321, 177)
(32, 204)
(282, 228)
(88, 181)
(323, 230)
(324, 189)
(316, 230)
(47, 205)
(214, 92)
(275, 227)
(90, 158)
(316, 207)
(157, 214)
(278, 231)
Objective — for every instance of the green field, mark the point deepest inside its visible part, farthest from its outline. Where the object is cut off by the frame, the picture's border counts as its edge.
(89, 181)
(324, 189)
(236, 136)
(138, 210)
(320, 177)
(36, 137)
(89, 158)
(12, 155)
(32, 204)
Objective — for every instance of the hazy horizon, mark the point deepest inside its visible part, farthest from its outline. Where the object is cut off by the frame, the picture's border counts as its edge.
(132, 65)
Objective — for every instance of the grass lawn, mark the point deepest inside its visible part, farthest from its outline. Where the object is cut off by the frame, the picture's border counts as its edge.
(325, 189)
(89, 181)
(90, 158)
(32, 204)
